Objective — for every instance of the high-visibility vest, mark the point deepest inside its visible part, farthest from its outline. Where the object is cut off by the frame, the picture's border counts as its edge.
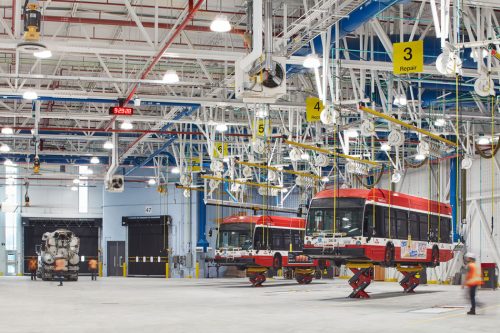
(92, 264)
(32, 265)
(473, 277)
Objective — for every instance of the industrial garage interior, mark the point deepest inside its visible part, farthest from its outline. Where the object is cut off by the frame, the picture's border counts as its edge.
(249, 165)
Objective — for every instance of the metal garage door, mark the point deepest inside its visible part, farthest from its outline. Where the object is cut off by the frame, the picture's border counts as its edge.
(86, 229)
(147, 244)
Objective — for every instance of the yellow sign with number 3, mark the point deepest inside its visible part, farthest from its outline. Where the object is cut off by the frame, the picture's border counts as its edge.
(408, 57)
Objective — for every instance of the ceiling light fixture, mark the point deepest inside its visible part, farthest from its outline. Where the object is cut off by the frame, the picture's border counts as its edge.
(312, 61)
(175, 170)
(420, 157)
(74, 188)
(221, 127)
(7, 130)
(396, 177)
(170, 77)
(76, 181)
(400, 100)
(8, 162)
(352, 133)
(385, 147)
(95, 160)
(220, 24)
(43, 54)
(151, 181)
(304, 156)
(30, 95)
(483, 141)
(108, 145)
(440, 122)
(126, 125)
(4, 148)
(325, 179)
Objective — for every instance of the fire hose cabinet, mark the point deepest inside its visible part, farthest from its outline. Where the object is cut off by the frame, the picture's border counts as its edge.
(489, 273)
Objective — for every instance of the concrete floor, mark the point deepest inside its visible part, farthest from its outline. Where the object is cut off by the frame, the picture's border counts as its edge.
(231, 305)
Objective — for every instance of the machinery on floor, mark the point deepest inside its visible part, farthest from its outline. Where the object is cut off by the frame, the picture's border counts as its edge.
(259, 244)
(362, 228)
(59, 246)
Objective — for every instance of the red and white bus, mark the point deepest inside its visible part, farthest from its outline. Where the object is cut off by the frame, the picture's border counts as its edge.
(378, 227)
(258, 243)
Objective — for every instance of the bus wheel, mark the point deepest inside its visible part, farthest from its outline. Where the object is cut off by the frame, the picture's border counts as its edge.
(389, 255)
(435, 256)
(277, 263)
(299, 278)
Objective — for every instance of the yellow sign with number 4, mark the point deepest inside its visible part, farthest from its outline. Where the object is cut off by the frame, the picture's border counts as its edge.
(314, 106)
(408, 57)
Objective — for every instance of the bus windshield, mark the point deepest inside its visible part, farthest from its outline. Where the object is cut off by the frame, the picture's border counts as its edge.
(348, 217)
(236, 235)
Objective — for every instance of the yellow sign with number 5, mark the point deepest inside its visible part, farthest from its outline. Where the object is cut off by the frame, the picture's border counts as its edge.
(408, 57)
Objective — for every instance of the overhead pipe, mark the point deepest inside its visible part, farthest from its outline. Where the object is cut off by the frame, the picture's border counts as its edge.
(123, 23)
(248, 60)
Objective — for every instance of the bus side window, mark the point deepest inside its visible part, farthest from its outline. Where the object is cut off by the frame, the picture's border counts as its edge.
(368, 221)
(257, 239)
(414, 227)
(277, 239)
(423, 227)
(379, 221)
(298, 239)
(434, 229)
(287, 239)
(402, 224)
(445, 230)
(389, 222)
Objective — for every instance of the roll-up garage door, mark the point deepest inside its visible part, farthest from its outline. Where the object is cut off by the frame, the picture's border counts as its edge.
(147, 244)
(86, 229)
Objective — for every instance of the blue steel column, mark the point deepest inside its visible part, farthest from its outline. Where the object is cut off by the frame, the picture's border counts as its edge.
(453, 197)
(202, 222)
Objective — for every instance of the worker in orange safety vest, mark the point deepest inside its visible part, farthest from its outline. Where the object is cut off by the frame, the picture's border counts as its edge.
(472, 280)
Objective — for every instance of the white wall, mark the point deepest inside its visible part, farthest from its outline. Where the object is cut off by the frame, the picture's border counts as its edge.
(133, 202)
(55, 199)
